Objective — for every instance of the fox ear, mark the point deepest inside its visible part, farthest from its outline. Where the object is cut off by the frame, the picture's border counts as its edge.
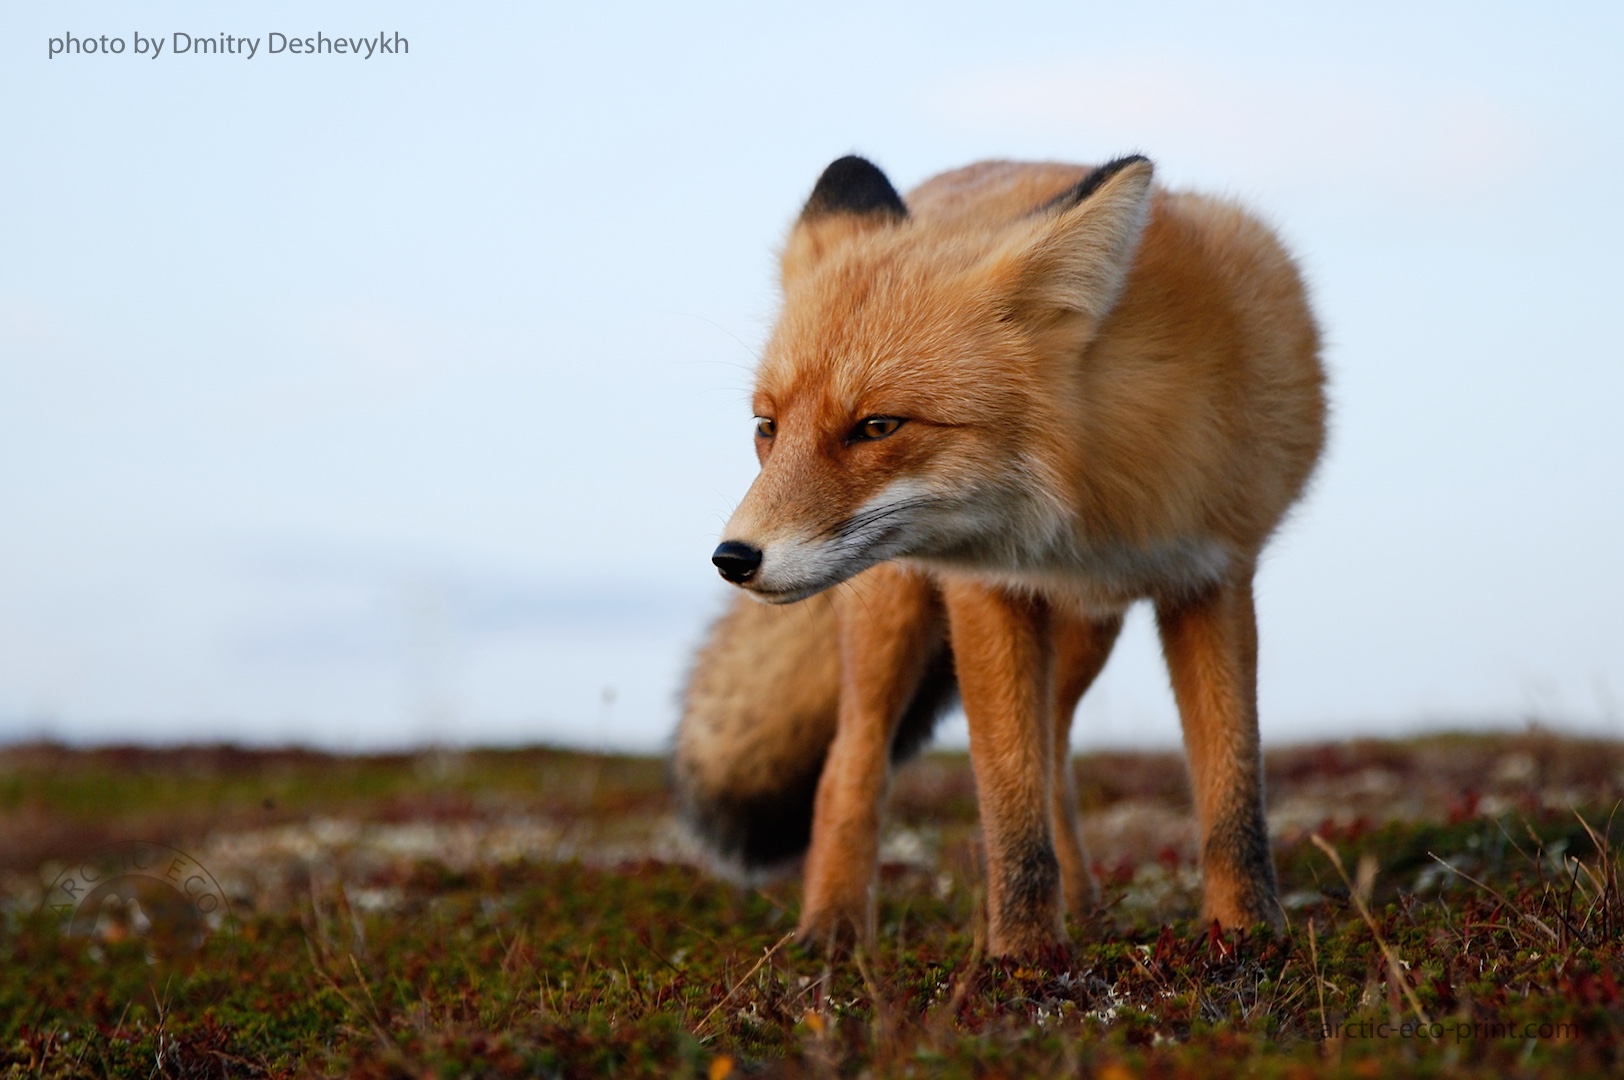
(853, 185)
(852, 197)
(1075, 254)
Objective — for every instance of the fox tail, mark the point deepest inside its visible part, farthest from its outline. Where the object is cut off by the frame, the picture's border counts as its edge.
(758, 716)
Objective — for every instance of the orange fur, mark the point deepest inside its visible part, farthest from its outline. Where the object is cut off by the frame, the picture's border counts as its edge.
(1028, 400)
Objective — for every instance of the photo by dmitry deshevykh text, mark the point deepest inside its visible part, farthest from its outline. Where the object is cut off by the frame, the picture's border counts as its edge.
(178, 43)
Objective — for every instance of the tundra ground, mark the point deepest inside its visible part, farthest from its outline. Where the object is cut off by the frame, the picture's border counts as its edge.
(538, 912)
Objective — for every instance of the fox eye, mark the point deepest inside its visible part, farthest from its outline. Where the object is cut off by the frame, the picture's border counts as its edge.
(875, 427)
(766, 427)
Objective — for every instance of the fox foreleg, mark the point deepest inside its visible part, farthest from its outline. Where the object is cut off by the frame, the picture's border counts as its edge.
(1003, 656)
(1210, 642)
(890, 625)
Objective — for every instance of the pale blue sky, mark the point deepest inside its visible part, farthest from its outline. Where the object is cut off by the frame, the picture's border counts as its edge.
(366, 401)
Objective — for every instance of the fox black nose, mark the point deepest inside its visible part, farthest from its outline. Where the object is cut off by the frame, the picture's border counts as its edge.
(737, 562)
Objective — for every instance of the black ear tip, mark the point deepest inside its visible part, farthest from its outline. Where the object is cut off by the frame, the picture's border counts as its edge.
(854, 185)
(842, 171)
(1096, 180)
(850, 161)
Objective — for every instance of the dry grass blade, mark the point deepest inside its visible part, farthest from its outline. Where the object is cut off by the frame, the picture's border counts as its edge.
(748, 975)
(884, 1023)
(1521, 914)
(1394, 965)
(1604, 878)
(968, 977)
(1319, 982)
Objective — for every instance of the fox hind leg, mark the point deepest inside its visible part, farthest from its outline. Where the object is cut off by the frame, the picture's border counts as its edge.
(1081, 647)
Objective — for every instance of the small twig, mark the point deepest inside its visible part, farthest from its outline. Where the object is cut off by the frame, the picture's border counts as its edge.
(813, 985)
(1393, 963)
(768, 955)
(1577, 866)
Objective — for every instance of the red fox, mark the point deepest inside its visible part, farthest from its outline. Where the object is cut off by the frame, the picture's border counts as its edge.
(998, 413)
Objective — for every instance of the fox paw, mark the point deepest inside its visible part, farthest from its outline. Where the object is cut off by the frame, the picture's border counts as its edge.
(1244, 907)
(834, 930)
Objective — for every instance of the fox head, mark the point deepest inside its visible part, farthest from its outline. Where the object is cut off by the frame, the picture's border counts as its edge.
(913, 397)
